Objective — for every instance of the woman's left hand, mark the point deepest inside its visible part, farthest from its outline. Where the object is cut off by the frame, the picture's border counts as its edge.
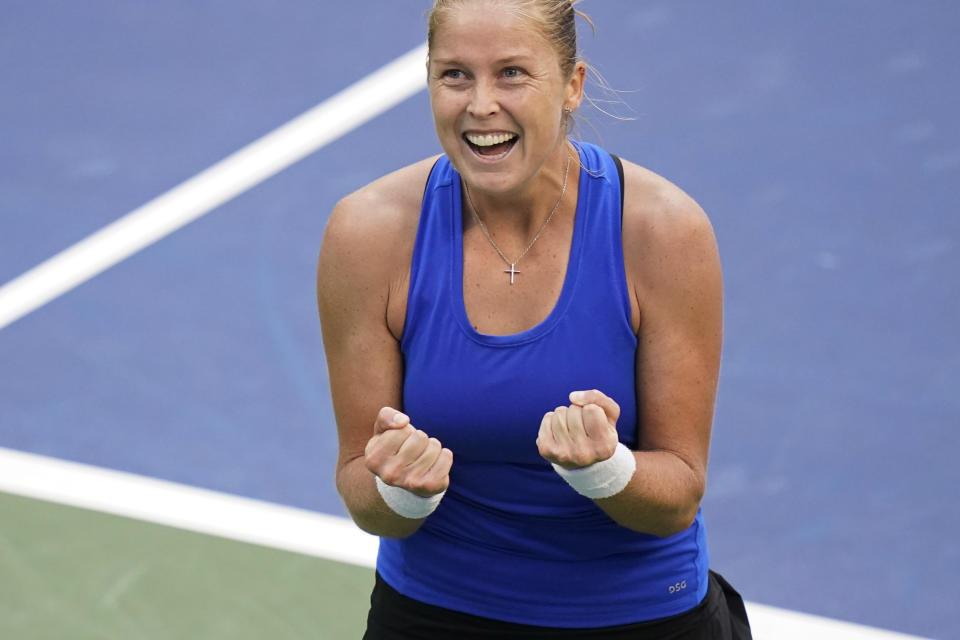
(581, 434)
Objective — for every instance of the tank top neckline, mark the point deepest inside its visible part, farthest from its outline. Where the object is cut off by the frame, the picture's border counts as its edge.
(566, 292)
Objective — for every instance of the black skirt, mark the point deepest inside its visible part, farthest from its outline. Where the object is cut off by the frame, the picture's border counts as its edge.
(393, 616)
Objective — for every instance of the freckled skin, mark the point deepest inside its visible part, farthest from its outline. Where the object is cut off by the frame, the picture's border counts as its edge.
(490, 72)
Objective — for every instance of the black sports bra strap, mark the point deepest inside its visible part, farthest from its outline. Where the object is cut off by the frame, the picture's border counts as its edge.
(616, 161)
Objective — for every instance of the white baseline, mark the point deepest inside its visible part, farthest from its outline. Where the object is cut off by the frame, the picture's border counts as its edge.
(292, 529)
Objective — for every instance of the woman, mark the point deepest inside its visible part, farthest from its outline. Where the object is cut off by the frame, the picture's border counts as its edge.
(523, 360)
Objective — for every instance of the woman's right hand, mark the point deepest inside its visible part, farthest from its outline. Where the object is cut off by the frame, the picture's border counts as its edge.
(406, 457)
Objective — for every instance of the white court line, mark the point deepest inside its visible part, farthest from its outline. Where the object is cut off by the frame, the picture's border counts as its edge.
(291, 529)
(244, 169)
(185, 507)
(771, 623)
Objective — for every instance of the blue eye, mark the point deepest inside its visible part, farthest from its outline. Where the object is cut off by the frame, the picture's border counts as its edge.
(512, 72)
(452, 74)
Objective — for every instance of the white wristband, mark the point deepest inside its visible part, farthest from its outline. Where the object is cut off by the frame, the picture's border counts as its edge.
(406, 503)
(602, 479)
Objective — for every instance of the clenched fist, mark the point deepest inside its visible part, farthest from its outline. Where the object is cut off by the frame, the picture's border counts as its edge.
(582, 433)
(406, 457)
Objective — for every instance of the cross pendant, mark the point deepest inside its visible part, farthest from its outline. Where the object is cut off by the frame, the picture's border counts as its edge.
(512, 271)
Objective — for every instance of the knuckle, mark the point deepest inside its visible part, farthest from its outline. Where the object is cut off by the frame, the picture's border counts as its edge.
(429, 483)
(431, 450)
(392, 472)
(445, 462)
(545, 449)
(384, 418)
(414, 483)
(604, 452)
(374, 454)
(432, 487)
(373, 465)
(581, 458)
(391, 477)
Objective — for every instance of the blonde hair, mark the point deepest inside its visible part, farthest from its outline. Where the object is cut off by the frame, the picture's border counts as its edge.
(556, 20)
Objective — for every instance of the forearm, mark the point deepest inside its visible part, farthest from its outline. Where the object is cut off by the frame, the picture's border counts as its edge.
(357, 487)
(662, 497)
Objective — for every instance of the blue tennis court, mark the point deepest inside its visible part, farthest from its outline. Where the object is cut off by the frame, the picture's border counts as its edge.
(821, 138)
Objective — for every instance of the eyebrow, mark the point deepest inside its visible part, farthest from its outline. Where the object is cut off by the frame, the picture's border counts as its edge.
(513, 58)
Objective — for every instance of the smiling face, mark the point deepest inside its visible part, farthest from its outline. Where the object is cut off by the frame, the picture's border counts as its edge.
(498, 95)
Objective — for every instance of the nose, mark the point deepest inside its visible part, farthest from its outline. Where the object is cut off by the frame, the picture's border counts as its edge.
(483, 100)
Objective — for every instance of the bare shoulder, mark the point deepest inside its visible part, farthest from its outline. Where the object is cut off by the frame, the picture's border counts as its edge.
(364, 263)
(374, 228)
(669, 244)
(382, 209)
(658, 213)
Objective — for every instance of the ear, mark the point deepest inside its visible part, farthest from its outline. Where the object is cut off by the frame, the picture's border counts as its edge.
(574, 93)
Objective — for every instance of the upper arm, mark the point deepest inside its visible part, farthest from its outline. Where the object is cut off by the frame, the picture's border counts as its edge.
(362, 272)
(673, 268)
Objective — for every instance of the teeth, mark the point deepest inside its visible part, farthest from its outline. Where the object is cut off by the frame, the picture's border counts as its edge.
(490, 140)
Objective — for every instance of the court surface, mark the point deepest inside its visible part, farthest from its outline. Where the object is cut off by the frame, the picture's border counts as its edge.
(821, 138)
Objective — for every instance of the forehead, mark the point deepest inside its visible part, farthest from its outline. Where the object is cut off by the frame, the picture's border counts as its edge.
(488, 26)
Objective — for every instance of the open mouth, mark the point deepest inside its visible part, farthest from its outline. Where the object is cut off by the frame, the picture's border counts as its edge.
(491, 146)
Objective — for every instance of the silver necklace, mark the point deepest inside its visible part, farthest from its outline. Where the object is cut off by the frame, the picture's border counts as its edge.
(512, 270)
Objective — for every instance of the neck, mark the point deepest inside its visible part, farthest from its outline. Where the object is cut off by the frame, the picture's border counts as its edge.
(528, 206)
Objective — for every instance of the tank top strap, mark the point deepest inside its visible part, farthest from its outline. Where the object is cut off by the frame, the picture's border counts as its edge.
(601, 201)
(434, 249)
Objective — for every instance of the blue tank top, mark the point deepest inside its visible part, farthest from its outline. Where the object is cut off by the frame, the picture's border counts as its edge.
(511, 540)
